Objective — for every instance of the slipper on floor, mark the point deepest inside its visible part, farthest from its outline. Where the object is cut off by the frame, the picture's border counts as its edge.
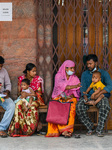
(99, 134)
(3, 134)
(77, 135)
(67, 136)
(90, 132)
(41, 133)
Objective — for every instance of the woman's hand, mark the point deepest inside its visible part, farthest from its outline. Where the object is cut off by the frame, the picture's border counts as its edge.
(65, 99)
(78, 85)
(72, 96)
(69, 87)
(24, 94)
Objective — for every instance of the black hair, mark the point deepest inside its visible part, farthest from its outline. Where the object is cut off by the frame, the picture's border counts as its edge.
(29, 67)
(27, 81)
(2, 60)
(92, 56)
(97, 72)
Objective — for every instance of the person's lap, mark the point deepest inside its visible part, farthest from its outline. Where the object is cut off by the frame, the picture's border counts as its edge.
(9, 106)
(66, 130)
(103, 106)
(24, 125)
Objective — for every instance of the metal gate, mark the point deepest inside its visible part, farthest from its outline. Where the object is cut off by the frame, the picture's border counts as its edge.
(71, 29)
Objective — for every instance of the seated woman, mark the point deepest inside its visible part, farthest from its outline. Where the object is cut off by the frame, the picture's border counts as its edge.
(24, 122)
(66, 83)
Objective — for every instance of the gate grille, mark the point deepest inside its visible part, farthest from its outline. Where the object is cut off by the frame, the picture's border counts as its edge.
(71, 29)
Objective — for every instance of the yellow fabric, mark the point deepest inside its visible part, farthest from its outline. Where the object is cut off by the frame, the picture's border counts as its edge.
(55, 130)
(97, 85)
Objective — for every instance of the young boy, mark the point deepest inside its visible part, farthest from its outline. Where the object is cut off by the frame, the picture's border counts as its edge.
(97, 86)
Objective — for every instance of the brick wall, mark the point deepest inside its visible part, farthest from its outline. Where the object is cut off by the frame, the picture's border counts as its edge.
(18, 39)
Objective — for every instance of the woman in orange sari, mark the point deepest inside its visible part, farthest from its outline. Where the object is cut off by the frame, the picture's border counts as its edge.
(66, 84)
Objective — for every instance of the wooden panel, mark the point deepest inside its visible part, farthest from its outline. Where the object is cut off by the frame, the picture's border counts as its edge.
(91, 26)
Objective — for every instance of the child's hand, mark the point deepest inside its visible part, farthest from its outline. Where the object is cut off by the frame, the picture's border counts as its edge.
(24, 94)
(85, 93)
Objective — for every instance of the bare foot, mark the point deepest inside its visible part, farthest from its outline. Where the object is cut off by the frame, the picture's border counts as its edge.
(67, 134)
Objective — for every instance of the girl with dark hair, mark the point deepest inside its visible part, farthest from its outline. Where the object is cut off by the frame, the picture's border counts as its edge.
(24, 122)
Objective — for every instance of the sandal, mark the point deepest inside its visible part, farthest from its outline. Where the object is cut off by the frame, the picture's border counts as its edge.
(67, 134)
(3, 134)
(77, 135)
(99, 134)
(41, 133)
(90, 132)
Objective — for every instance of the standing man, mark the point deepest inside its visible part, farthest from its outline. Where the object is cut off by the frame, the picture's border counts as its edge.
(85, 101)
(8, 104)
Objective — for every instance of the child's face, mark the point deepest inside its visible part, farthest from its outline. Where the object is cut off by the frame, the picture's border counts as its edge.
(24, 86)
(96, 78)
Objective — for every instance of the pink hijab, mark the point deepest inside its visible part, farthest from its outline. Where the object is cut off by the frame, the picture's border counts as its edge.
(61, 81)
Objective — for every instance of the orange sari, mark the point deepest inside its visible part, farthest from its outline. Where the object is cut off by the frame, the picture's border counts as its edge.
(54, 130)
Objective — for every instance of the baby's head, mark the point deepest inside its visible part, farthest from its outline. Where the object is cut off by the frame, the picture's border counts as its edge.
(25, 84)
(96, 77)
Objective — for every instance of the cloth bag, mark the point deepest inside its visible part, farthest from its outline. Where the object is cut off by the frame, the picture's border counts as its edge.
(58, 112)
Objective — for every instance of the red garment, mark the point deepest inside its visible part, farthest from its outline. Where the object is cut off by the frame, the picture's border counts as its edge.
(24, 123)
(36, 82)
(37, 85)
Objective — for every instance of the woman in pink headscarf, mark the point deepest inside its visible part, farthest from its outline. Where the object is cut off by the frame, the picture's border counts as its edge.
(66, 87)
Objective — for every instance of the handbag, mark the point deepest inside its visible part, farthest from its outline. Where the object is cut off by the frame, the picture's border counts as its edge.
(58, 112)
